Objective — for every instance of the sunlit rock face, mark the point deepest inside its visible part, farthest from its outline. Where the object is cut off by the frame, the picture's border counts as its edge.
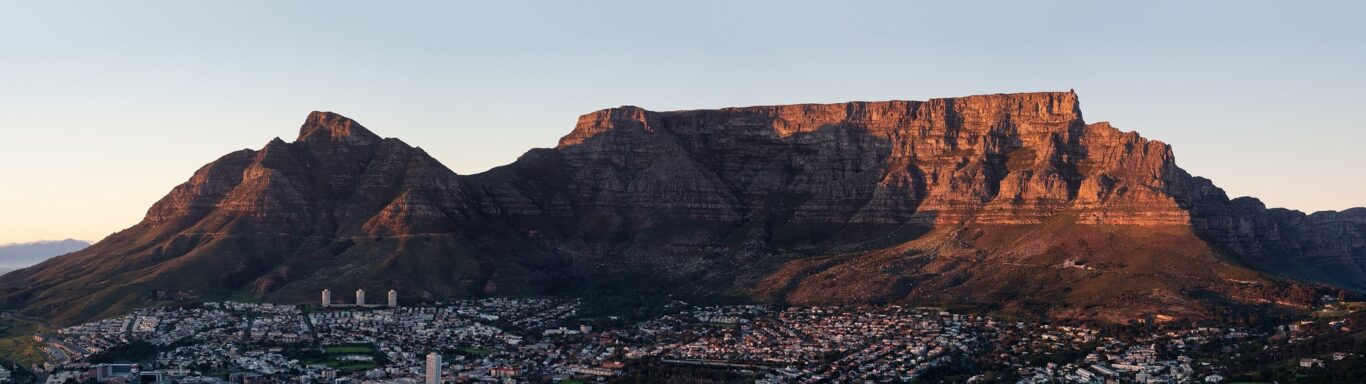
(983, 200)
(1004, 159)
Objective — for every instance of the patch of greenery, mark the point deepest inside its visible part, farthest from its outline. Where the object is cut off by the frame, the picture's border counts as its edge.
(657, 371)
(349, 349)
(1279, 361)
(22, 350)
(330, 356)
(15, 327)
(136, 351)
(353, 366)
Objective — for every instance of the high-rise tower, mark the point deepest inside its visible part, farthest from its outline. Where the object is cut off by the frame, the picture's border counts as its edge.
(433, 368)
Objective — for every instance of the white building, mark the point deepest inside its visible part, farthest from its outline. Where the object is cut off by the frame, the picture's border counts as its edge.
(433, 368)
(327, 298)
(393, 298)
(360, 297)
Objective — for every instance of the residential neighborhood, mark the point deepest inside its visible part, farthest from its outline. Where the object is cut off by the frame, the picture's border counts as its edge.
(547, 340)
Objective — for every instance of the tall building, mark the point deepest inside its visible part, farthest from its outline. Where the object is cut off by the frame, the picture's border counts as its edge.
(393, 298)
(433, 368)
(327, 298)
(360, 297)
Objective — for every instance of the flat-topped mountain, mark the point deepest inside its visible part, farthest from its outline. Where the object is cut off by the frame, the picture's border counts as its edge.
(1010, 202)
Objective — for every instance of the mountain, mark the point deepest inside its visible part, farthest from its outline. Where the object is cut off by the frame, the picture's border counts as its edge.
(19, 255)
(1010, 202)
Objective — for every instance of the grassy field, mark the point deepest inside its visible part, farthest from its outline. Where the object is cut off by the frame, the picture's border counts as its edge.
(21, 350)
(16, 340)
(475, 352)
(349, 349)
(331, 357)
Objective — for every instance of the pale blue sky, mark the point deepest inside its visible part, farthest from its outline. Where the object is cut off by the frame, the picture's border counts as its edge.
(104, 106)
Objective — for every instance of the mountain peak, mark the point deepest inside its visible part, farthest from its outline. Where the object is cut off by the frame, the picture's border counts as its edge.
(328, 126)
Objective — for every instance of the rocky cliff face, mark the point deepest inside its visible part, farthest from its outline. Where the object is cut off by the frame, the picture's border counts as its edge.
(1007, 201)
(1327, 247)
(997, 159)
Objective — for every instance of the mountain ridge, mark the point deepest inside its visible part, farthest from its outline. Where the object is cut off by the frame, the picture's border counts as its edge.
(936, 201)
(23, 254)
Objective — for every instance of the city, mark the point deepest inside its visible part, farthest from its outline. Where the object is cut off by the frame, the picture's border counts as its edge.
(545, 340)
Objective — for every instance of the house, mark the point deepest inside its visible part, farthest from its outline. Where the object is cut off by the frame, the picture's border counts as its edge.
(1311, 363)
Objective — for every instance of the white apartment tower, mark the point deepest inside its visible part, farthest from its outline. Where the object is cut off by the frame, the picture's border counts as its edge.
(433, 368)
(327, 298)
(393, 298)
(360, 297)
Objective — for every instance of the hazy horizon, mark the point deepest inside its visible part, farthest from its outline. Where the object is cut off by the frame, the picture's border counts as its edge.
(112, 105)
(20, 255)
